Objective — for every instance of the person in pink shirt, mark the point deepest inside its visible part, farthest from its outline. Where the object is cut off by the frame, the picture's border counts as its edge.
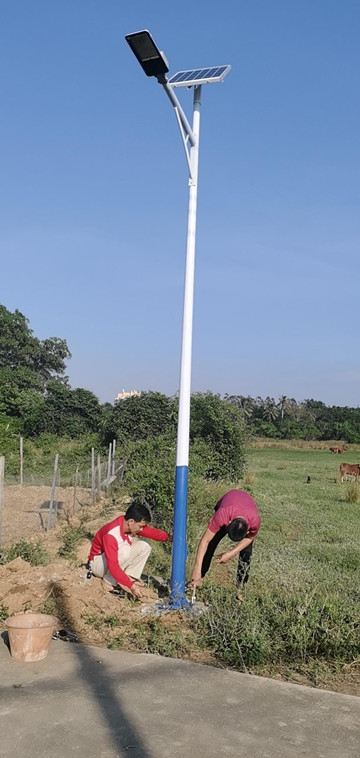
(236, 516)
(117, 556)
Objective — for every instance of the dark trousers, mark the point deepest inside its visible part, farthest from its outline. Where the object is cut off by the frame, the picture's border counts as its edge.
(244, 559)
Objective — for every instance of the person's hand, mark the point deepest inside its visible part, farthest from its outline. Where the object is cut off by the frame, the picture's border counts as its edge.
(137, 589)
(223, 558)
(196, 579)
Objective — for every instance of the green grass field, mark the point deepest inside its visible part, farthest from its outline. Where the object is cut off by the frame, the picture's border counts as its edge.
(306, 526)
(302, 602)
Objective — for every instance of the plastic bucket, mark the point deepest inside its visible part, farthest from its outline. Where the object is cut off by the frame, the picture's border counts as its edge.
(30, 635)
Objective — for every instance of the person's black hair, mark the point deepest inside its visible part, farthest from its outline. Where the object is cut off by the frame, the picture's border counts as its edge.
(138, 512)
(237, 529)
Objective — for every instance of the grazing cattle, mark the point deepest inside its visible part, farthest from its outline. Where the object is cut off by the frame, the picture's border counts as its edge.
(337, 449)
(349, 468)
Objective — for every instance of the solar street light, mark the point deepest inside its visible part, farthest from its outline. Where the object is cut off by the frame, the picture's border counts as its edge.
(155, 64)
(151, 59)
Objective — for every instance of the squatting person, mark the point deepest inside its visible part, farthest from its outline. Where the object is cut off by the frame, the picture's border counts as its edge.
(117, 556)
(236, 515)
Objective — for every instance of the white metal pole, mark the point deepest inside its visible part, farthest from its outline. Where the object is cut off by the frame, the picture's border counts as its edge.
(182, 453)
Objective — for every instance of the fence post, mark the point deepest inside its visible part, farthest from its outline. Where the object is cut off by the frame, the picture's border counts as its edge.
(99, 475)
(75, 486)
(21, 459)
(2, 478)
(53, 491)
(92, 476)
(113, 457)
(108, 474)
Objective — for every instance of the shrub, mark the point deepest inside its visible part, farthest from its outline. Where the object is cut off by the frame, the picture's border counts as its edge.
(31, 552)
(150, 474)
(72, 537)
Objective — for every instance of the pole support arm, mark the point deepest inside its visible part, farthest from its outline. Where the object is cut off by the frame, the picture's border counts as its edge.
(178, 109)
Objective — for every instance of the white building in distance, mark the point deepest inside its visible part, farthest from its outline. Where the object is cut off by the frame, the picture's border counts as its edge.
(123, 395)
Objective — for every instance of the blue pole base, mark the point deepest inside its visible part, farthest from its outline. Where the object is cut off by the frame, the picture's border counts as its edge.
(177, 594)
(177, 602)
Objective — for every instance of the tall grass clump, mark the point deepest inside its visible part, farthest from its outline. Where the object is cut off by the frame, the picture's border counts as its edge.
(352, 493)
(281, 626)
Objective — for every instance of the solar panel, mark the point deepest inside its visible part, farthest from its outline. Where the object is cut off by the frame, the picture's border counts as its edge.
(199, 76)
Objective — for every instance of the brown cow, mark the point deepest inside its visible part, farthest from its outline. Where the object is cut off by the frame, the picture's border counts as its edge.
(337, 449)
(349, 468)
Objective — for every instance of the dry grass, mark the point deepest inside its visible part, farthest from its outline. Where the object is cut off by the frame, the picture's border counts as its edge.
(249, 479)
(352, 493)
(258, 443)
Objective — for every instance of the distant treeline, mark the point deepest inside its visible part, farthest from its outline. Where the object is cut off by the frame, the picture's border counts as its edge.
(289, 419)
(36, 399)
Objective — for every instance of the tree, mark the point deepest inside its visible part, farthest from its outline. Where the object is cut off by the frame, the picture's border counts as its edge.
(64, 412)
(282, 405)
(26, 364)
(270, 410)
(221, 426)
(140, 417)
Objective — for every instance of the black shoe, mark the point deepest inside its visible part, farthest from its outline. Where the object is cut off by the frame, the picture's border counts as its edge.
(119, 592)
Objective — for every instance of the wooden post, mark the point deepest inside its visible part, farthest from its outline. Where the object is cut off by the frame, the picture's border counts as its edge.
(99, 475)
(2, 480)
(108, 475)
(113, 457)
(92, 476)
(21, 459)
(52, 496)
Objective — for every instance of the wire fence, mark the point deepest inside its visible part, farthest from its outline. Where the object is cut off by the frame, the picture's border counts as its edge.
(33, 501)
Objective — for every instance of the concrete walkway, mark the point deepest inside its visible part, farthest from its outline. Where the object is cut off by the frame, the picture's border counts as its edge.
(93, 703)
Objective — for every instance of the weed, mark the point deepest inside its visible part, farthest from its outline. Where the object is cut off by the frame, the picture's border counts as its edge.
(48, 606)
(73, 535)
(92, 619)
(111, 621)
(116, 642)
(4, 612)
(249, 479)
(352, 493)
(31, 552)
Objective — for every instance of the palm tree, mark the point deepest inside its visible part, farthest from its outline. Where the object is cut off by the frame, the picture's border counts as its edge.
(282, 404)
(270, 409)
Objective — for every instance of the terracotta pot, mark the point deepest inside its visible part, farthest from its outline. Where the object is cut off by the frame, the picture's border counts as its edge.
(30, 635)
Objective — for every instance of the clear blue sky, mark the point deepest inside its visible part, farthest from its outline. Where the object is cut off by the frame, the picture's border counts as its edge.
(94, 193)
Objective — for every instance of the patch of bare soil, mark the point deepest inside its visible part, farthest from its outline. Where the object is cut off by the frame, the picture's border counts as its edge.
(26, 509)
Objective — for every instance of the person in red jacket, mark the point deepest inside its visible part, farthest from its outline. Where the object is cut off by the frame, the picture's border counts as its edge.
(117, 556)
(236, 516)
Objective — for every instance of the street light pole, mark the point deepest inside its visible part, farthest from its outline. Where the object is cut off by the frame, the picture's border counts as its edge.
(177, 597)
(154, 63)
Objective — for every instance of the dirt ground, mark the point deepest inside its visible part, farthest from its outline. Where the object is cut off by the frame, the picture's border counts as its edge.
(26, 509)
(85, 607)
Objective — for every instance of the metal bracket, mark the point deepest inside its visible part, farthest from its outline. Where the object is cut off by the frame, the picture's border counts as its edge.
(185, 140)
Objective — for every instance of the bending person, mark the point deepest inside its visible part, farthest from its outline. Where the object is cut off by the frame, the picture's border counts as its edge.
(236, 516)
